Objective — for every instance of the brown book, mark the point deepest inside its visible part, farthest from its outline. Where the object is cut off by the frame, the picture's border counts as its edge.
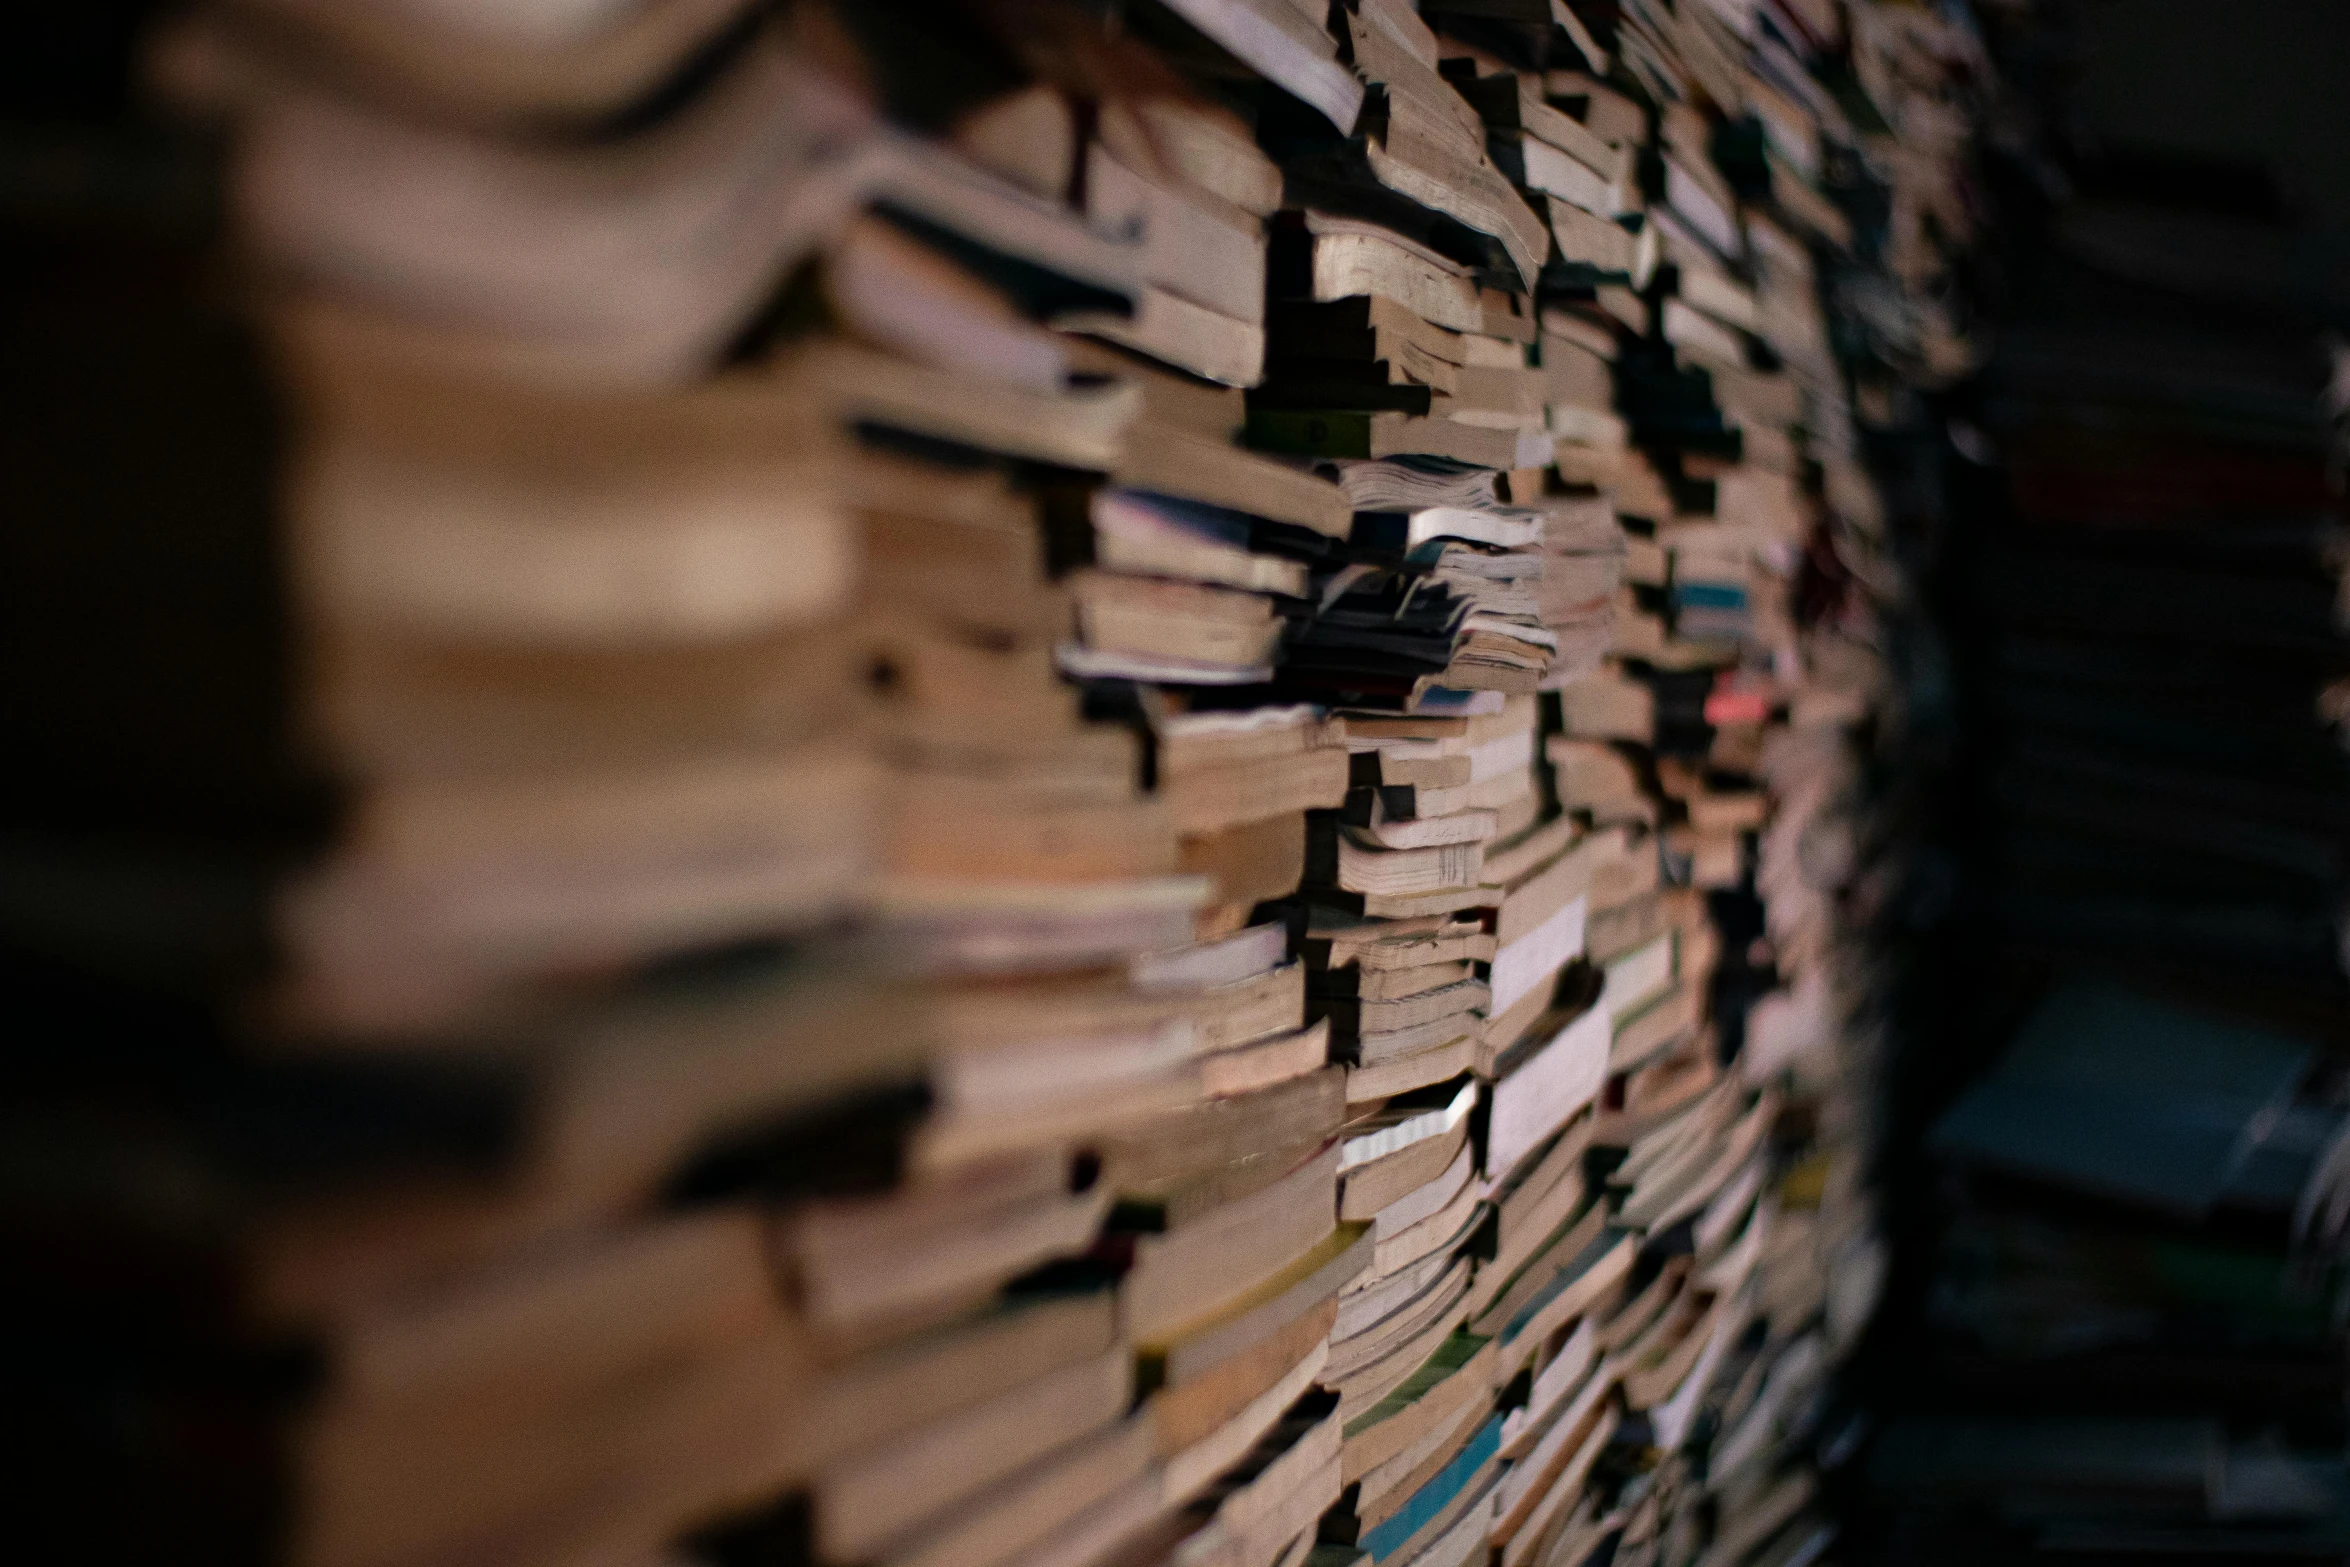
(1642, 973)
(1401, 1074)
(1610, 115)
(1429, 1199)
(1194, 244)
(594, 1310)
(1169, 400)
(1375, 1298)
(1188, 1272)
(453, 895)
(1504, 395)
(1440, 1231)
(1196, 1468)
(1199, 143)
(917, 1381)
(1417, 159)
(1648, 1033)
(1556, 1464)
(1460, 1372)
(1146, 535)
(1600, 1267)
(600, 1129)
(1131, 1528)
(939, 542)
(1011, 1015)
(1420, 905)
(1658, 1362)
(1609, 706)
(865, 1498)
(1276, 1059)
(552, 1357)
(1158, 618)
(1616, 930)
(1194, 467)
(1225, 1016)
(1283, 44)
(1347, 258)
(1509, 859)
(434, 498)
(1395, 944)
(1346, 433)
(1656, 1094)
(1375, 1017)
(1180, 332)
(1556, 1514)
(1388, 984)
(889, 288)
(1277, 1492)
(922, 1252)
(1507, 1283)
(1635, 1314)
(1255, 862)
(714, 1432)
(1435, 772)
(1206, 799)
(1083, 428)
(1045, 1110)
(521, 78)
(1302, 1114)
(1218, 960)
(1393, 1483)
(1367, 1188)
(1364, 1368)
(941, 828)
(1029, 136)
(1211, 741)
(1188, 1413)
(951, 687)
(1197, 1192)
(1026, 1508)
(1526, 1199)
(1320, 1275)
(397, 704)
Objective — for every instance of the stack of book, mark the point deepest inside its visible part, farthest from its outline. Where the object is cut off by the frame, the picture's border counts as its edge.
(2157, 611)
(1808, 183)
(953, 786)
(2126, 1256)
(2136, 1302)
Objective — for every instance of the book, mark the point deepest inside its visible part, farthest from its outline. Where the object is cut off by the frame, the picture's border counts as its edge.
(1188, 1270)
(888, 1490)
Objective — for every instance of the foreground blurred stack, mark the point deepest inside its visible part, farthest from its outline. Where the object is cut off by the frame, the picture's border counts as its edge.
(888, 783)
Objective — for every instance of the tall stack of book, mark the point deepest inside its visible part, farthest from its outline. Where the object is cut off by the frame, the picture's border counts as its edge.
(1807, 184)
(1445, 895)
(952, 786)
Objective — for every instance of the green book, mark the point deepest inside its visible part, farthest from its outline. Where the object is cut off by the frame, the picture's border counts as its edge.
(1454, 1353)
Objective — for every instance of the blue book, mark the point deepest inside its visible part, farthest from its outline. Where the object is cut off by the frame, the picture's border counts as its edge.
(1437, 1494)
(2114, 1094)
